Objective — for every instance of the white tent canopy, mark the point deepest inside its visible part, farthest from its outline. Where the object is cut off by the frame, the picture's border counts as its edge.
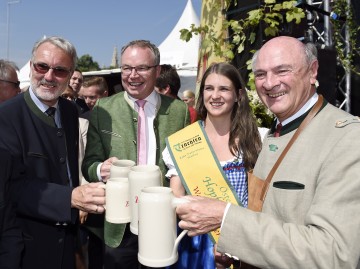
(24, 75)
(177, 52)
(181, 54)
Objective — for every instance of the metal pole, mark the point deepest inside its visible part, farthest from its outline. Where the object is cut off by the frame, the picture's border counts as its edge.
(347, 70)
(7, 31)
(327, 26)
(310, 18)
(7, 26)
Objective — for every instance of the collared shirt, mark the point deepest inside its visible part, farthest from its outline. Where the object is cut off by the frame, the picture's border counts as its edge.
(294, 121)
(150, 109)
(308, 105)
(153, 102)
(44, 107)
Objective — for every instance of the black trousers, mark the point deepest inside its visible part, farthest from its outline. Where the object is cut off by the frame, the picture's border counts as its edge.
(96, 248)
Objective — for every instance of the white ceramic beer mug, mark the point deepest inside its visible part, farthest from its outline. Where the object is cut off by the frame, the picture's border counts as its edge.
(158, 240)
(117, 200)
(121, 168)
(141, 176)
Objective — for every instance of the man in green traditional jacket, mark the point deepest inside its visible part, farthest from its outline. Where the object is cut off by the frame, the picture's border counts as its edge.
(113, 134)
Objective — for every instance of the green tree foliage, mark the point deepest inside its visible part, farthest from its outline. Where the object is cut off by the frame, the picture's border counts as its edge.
(86, 63)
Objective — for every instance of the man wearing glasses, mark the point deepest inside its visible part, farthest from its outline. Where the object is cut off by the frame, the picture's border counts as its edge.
(116, 132)
(9, 83)
(41, 129)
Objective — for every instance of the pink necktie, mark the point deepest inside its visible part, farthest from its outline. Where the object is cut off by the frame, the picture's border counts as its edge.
(278, 129)
(141, 134)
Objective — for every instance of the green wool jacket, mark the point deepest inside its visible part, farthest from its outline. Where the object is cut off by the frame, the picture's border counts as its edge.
(113, 132)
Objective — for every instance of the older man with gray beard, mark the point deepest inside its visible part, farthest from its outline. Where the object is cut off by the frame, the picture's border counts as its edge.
(41, 129)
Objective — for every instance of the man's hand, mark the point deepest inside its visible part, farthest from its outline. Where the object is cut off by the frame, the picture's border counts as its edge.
(105, 168)
(89, 198)
(201, 215)
(82, 216)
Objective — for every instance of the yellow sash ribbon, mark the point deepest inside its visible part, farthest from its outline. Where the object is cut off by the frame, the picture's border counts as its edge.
(198, 167)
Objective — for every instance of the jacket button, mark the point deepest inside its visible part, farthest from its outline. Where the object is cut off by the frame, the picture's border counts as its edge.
(61, 241)
(62, 159)
(59, 134)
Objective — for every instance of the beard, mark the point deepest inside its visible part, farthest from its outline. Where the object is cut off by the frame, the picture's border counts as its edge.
(47, 95)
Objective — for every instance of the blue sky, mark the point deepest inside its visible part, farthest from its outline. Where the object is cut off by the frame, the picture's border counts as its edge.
(95, 27)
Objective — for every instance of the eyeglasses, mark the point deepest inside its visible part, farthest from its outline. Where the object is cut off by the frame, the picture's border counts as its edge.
(141, 70)
(59, 71)
(17, 83)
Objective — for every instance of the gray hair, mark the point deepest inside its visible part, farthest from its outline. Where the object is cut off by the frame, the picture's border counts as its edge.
(6, 68)
(254, 59)
(59, 42)
(310, 52)
(144, 44)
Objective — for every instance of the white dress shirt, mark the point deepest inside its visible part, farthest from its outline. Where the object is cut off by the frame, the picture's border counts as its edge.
(44, 107)
(151, 108)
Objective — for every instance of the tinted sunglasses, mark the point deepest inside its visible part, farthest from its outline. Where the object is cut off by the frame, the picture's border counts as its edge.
(17, 83)
(42, 68)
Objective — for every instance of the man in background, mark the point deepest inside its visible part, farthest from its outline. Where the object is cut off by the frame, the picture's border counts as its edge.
(93, 89)
(76, 80)
(9, 82)
(75, 83)
(168, 83)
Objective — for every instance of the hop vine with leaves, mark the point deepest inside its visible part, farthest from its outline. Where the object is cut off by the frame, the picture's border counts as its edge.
(270, 13)
(345, 51)
(243, 32)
